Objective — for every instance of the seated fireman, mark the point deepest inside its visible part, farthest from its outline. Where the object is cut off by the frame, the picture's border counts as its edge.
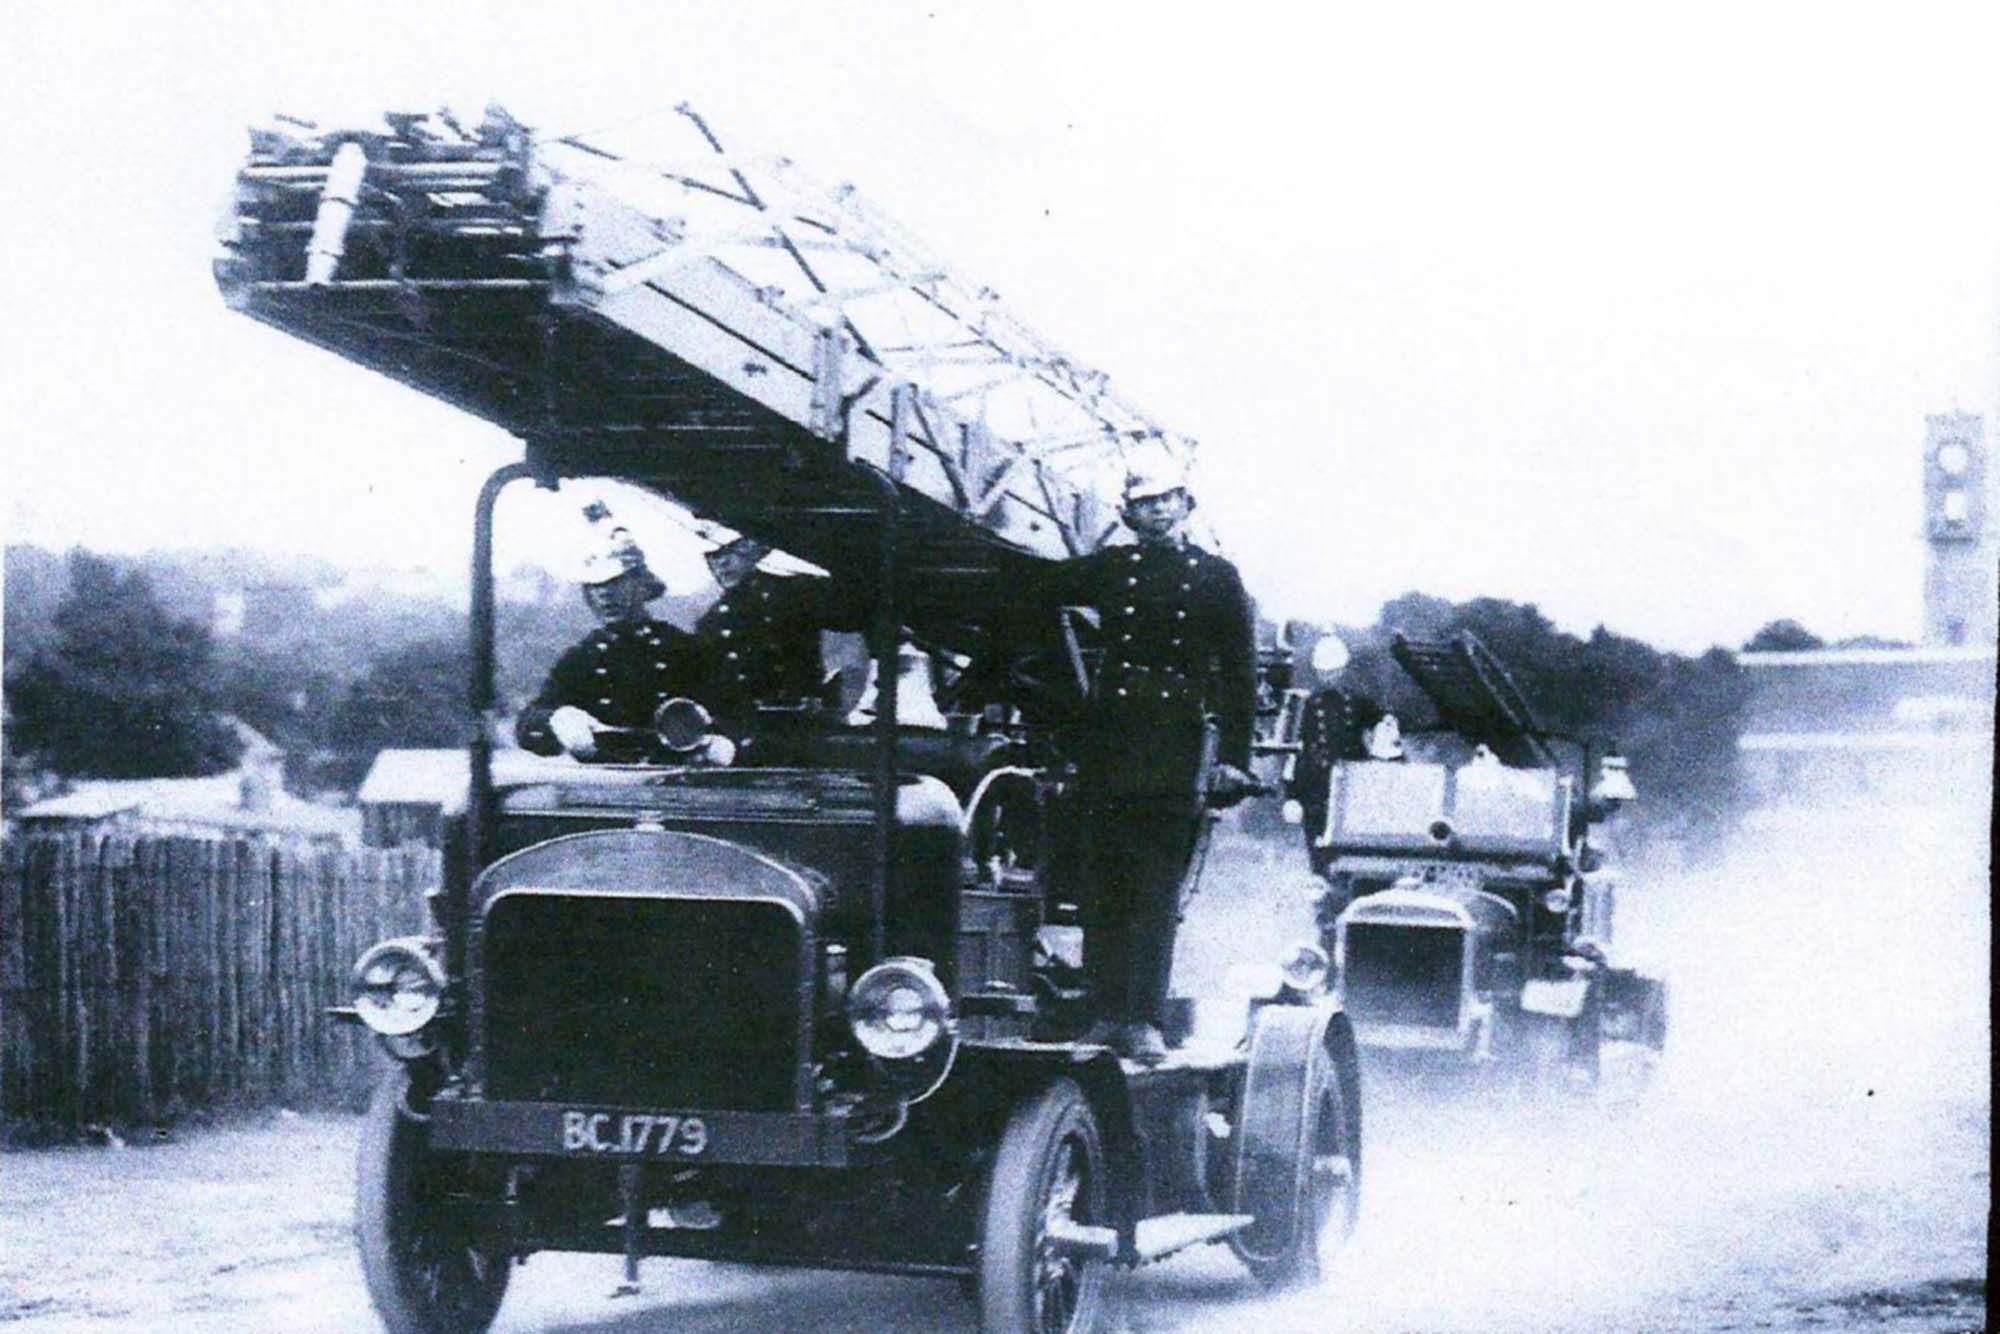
(761, 635)
(623, 670)
(1178, 648)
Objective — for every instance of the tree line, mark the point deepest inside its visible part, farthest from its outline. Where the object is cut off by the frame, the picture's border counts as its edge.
(109, 680)
(115, 677)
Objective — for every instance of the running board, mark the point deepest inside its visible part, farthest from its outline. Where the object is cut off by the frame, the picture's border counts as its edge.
(1157, 1237)
(1162, 1236)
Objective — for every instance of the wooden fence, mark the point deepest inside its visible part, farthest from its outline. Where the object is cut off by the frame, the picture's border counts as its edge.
(145, 978)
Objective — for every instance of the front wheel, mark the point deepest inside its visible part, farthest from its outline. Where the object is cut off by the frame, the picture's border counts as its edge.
(1049, 1179)
(427, 1272)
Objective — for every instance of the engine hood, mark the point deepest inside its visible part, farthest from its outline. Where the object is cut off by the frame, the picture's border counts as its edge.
(662, 863)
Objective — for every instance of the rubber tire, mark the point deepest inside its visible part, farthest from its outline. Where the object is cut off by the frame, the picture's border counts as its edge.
(1542, 1059)
(1299, 1264)
(389, 1207)
(1024, 1171)
(1653, 1026)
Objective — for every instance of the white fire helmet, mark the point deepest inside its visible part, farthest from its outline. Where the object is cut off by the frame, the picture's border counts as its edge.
(1329, 655)
(613, 552)
(1154, 472)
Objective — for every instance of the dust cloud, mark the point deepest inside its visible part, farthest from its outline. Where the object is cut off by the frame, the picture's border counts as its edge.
(1811, 1152)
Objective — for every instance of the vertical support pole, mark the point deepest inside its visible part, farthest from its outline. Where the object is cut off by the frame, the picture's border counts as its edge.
(632, 1196)
(480, 695)
(885, 632)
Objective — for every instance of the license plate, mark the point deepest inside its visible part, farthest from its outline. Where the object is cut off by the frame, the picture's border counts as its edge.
(634, 1134)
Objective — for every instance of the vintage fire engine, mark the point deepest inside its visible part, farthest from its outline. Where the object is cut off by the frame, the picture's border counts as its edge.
(1468, 912)
(795, 1010)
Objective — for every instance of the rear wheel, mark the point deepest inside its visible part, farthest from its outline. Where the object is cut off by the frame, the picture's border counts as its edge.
(1549, 1064)
(1037, 1275)
(427, 1272)
(1322, 1196)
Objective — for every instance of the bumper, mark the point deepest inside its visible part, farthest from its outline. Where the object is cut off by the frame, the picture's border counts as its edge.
(638, 1134)
(1469, 1038)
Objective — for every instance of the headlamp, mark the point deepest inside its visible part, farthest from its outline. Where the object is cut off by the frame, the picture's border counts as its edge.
(1557, 900)
(898, 1009)
(398, 986)
(1304, 966)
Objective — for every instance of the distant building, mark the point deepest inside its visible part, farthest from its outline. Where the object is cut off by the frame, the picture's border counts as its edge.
(226, 615)
(249, 801)
(1960, 604)
(260, 611)
(1860, 723)
(1901, 724)
(408, 794)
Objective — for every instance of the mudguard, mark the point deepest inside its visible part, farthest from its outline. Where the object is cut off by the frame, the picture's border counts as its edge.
(1291, 1048)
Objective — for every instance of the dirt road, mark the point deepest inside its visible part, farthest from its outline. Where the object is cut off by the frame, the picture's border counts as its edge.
(1813, 1157)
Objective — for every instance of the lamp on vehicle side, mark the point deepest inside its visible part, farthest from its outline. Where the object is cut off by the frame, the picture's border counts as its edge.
(398, 986)
(1614, 782)
(898, 1009)
(1304, 966)
(1557, 900)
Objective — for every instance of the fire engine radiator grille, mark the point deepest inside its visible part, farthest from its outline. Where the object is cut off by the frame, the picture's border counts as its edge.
(667, 1003)
(1404, 974)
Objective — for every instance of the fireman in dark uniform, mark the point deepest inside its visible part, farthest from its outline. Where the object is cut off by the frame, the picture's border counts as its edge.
(1178, 647)
(623, 670)
(761, 635)
(1337, 726)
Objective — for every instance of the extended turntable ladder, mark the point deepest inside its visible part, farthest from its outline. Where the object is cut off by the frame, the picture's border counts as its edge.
(720, 327)
(1475, 696)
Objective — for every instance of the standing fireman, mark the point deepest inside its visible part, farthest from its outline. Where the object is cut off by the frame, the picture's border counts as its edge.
(1179, 648)
(623, 670)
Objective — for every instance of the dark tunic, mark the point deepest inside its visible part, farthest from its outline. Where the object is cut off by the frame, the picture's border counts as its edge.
(619, 674)
(762, 639)
(1179, 646)
(1330, 733)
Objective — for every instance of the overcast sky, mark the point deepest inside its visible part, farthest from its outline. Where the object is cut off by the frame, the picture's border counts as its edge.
(1638, 321)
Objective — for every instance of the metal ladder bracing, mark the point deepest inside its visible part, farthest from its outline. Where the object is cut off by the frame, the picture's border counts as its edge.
(721, 326)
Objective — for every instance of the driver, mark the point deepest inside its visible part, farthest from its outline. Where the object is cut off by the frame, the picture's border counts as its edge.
(762, 634)
(623, 670)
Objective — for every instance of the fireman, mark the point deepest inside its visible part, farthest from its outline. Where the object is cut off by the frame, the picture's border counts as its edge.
(623, 670)
(1179, 648)
(761, 635)
(1337, 726)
